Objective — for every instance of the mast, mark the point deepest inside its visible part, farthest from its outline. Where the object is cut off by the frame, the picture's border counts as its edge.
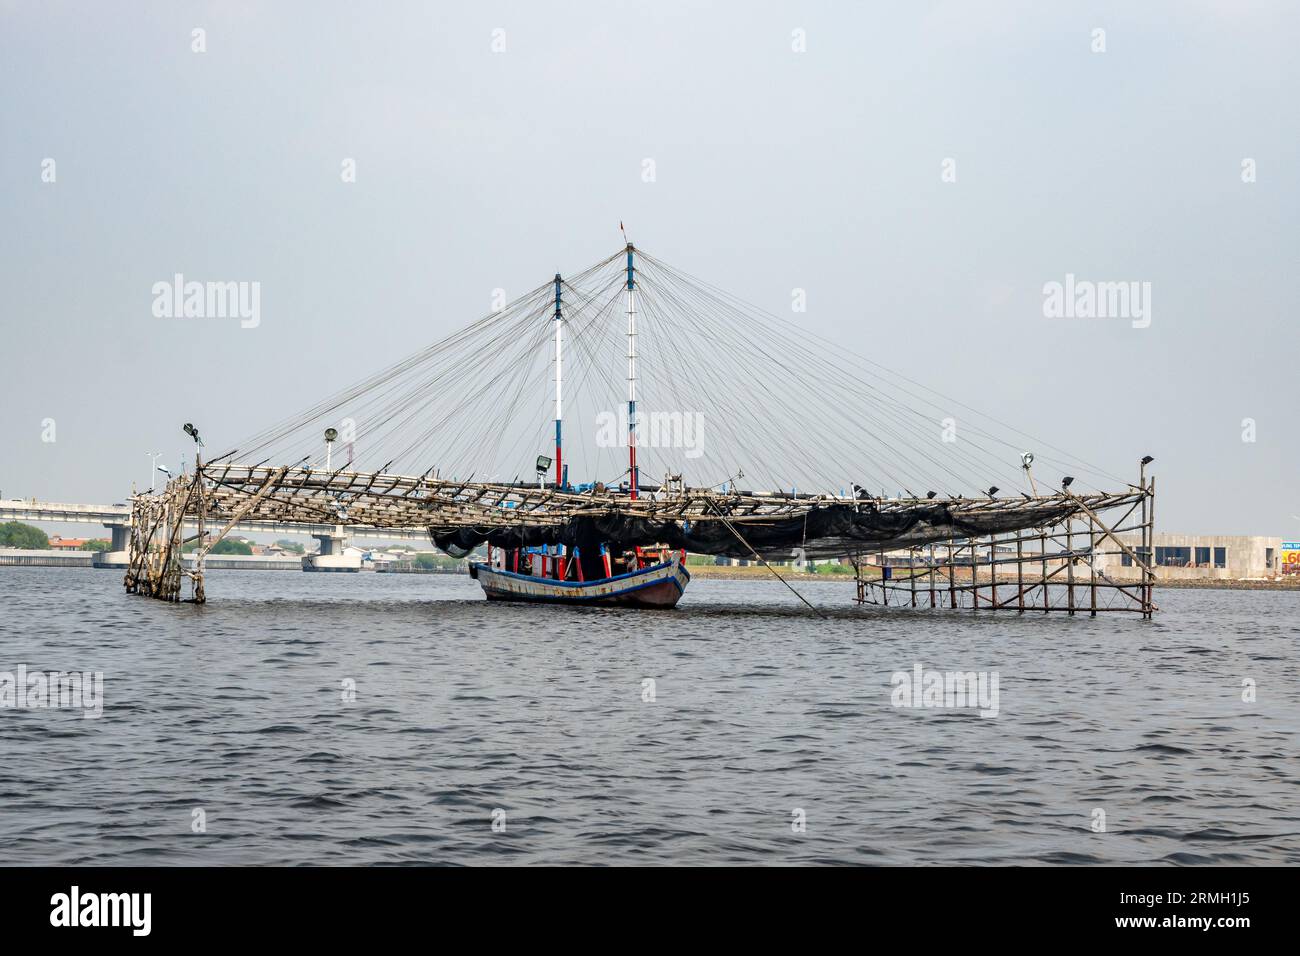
(631, 373)
(559, 394)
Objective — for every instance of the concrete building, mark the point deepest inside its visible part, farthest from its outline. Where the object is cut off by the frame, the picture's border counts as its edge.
(369, 558)
(1178, 557)
(1202, 556)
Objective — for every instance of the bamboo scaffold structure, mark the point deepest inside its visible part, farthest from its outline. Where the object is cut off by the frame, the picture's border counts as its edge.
(734, 523)
(156, 568)
(778, 474)
(1050, 567)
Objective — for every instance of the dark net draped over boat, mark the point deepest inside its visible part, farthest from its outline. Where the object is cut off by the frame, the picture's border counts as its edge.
(828, 531)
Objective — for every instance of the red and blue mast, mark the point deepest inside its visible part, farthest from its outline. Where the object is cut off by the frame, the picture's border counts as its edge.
(633, 474)
(559, 393)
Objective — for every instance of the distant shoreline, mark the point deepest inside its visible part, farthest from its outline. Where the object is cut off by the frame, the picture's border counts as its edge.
(705, 572)
(1242, 584)
(758, 572)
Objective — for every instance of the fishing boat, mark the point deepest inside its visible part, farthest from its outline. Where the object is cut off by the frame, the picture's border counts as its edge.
(598, 573)
(652, 581)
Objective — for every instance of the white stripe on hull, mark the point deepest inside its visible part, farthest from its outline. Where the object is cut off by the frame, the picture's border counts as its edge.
(660, 586)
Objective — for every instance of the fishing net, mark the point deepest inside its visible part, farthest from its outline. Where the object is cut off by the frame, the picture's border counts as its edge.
(826, 531)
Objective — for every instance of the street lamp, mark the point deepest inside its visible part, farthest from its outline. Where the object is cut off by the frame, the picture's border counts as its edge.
(193, 432)
(331, 434)
(153, 461)
(1027, 463)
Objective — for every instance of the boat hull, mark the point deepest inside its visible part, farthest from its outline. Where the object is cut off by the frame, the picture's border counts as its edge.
(658, 586)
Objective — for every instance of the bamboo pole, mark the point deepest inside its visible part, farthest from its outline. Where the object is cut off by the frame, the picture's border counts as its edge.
(1151, 546)
(993, 571)
(1042, 557)
(930, 570)
(1020, 572)
(911, 572)
(1069, 550)
(1092, 564)
(952, 592)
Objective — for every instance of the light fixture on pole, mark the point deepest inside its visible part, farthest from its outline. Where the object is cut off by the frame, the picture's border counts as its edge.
(1026, 460)
(331, 435)
(193, 432)
(153, 468)
(543, 466)
(1142, 469)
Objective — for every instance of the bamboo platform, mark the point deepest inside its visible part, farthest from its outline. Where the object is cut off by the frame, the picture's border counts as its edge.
(219, 496)
(1044, 569)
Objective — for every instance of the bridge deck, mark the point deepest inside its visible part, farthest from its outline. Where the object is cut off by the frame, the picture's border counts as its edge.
(119, 515)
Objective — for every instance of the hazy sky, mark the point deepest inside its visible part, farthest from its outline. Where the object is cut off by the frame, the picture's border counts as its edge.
(775, 169)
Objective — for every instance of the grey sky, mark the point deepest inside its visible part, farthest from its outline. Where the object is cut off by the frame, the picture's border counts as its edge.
(774, 170)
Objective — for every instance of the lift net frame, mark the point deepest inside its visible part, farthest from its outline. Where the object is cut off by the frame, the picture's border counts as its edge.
(1049, 568)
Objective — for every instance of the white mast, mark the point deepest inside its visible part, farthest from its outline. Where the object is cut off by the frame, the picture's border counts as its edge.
(634, 477)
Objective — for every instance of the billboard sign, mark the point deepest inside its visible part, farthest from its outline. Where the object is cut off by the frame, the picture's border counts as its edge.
(1290, 557)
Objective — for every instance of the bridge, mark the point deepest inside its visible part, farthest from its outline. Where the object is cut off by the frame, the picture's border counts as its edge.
(117, 519)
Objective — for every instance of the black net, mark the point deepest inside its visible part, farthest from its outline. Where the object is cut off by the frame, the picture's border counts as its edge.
(833, 530)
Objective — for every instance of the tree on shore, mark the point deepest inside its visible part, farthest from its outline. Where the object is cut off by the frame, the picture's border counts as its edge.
(429, 561)
(224, 546)
(97, 544)
(228, 546)
(15, 534)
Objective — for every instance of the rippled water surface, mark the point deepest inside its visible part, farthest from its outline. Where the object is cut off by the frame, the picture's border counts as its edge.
(463, 708)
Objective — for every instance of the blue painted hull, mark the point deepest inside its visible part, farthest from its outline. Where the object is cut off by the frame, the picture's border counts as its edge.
(658, 586)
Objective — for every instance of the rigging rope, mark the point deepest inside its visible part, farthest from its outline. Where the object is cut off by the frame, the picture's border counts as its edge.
(735, 388)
